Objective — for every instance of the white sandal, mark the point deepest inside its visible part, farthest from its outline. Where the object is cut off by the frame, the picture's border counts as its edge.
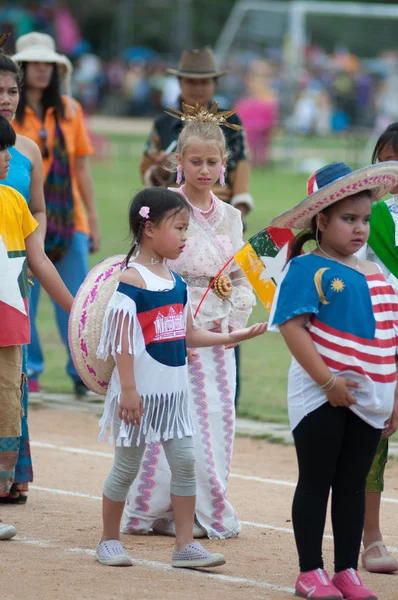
(7, 531)
(385, 563)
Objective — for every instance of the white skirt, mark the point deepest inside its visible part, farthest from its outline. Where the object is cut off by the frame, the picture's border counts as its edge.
(212, 378)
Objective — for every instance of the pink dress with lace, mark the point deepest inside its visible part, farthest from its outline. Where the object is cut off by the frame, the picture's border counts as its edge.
(210, 243)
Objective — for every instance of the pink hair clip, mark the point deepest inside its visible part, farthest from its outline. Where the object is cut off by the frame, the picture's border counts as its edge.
(144, 212)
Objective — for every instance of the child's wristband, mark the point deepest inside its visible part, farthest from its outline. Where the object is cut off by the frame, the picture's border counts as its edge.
(328, 388)
(328, 382)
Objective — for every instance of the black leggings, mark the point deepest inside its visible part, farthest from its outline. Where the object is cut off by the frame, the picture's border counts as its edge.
(335, 449)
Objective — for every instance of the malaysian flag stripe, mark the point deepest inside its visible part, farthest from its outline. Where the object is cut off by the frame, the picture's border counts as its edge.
(381, 316)
(385, 346)
(377, 294)
(379, 290)
(370, 368)
(386, 307)
(383, 356)
(324, 329)
(386, 325)
(341, 366)
(376, 277)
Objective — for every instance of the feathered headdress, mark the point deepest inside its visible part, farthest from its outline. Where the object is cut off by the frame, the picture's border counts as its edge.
(200, 114)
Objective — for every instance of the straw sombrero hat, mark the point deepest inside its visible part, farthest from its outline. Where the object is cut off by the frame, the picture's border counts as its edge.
(197, 64)
(40, 47)
(85, 323)
(335, 182)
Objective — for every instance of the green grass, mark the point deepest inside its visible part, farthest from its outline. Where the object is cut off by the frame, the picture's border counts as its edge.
(265, 360)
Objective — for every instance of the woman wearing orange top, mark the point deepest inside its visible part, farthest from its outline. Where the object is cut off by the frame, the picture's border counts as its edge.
(55, 123)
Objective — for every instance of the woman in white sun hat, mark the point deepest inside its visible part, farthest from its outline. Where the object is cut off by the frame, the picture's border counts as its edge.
(55, 122)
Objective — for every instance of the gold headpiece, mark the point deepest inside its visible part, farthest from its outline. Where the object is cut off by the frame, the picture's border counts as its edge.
(200, 114)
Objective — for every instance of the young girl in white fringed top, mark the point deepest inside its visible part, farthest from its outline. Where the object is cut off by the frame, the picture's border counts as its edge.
(147, 327)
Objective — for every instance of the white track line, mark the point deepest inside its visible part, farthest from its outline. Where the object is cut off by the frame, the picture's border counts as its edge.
(39, 488)
(87, 452)
(164, 566)
(71, 449)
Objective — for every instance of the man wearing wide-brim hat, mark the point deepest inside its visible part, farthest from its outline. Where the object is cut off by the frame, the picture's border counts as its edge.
(198, 73)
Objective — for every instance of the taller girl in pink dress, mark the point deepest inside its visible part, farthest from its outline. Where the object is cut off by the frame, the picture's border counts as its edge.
(214, 235)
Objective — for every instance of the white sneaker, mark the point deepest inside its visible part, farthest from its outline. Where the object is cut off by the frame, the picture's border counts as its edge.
(7, 531)
(112, 553)
(195, 556)
(165, 527)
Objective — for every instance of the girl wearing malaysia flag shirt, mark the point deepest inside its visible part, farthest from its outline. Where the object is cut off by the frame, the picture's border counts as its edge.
(339, 319)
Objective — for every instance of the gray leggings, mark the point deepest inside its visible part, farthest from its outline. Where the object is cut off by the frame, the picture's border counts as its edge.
(180, 455)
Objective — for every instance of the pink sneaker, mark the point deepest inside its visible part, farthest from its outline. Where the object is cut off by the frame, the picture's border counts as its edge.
(351, 586)
(316, 585)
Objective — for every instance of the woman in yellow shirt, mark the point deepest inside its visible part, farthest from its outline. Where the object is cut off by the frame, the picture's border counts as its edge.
(55, 123)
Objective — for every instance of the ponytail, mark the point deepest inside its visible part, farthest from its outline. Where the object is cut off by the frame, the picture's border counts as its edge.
(302, 238)
(137, 241)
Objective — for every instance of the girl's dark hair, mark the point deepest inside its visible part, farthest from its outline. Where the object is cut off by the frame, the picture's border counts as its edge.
(51, 96)
(7, 65)
(7, 134)
(308, 235)
(389, 137)
(162, 204)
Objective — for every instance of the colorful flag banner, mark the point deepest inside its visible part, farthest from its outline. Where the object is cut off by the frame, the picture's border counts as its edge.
(262, 260)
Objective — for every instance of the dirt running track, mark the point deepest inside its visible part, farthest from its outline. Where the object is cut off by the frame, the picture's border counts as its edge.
(52, 556)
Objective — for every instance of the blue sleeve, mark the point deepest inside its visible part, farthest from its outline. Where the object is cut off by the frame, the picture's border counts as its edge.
(296, 294)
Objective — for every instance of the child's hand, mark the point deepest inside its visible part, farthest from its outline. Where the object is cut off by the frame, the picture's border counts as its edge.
(340, 394)
(239, 335)
(131, 409)
(390, 426)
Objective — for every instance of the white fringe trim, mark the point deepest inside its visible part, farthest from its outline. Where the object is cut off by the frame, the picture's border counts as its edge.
(166, 416)
(110, 342)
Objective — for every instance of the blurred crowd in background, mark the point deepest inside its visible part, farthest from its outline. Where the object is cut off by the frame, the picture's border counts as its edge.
(334, 92)
(331, 93)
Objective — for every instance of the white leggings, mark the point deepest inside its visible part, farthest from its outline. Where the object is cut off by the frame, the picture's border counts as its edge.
(180, 455)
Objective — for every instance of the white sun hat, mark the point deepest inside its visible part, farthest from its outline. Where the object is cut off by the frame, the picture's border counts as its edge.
(40, 47)
(334, 182)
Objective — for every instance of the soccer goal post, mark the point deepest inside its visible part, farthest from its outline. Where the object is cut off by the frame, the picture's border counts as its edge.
(363, 28)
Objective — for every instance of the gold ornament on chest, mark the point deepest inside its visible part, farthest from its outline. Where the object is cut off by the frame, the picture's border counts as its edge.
(223, 286)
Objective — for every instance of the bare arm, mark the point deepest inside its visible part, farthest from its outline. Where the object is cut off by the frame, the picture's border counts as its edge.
(200, 338)
(130, 407)
(300, 344)
(151, 166)
(86, 189)
(46, 273)
(37, 203)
